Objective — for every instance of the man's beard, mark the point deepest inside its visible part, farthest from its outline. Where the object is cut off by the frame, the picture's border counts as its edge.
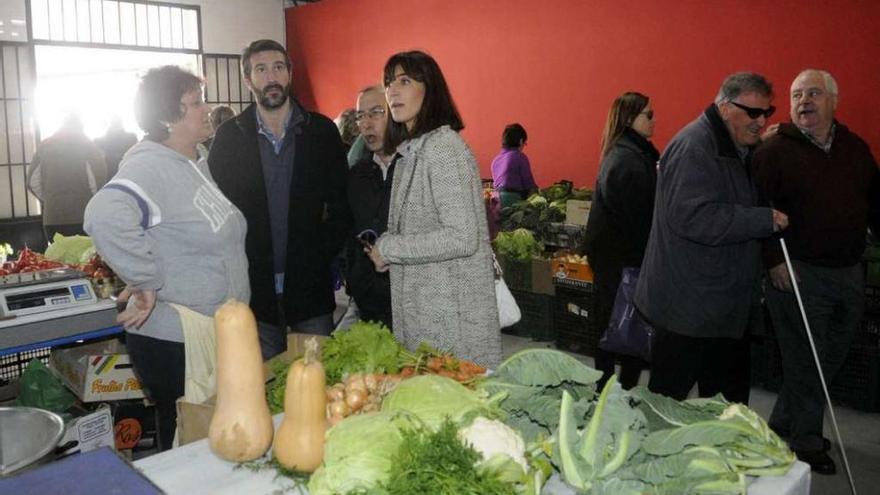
(272, 102)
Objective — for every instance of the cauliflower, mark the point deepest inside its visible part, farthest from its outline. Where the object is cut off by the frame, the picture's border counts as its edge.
(492, 437)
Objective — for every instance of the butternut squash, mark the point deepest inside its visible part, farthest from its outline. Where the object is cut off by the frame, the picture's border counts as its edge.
(241, 428)
(299, 441)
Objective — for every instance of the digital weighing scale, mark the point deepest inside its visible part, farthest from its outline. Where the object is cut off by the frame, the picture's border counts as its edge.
(38, 292)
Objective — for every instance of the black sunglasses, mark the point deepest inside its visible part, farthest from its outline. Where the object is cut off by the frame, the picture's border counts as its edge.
(755, 113)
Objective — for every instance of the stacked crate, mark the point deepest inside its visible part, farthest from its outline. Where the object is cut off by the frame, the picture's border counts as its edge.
(573, 318)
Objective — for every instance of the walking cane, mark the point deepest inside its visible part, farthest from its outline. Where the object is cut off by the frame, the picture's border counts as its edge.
(797, 294)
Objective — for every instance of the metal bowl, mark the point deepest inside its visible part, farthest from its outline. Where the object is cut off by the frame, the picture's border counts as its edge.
(28, 434)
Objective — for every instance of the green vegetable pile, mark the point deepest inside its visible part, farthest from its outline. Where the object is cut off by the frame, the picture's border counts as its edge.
(430, 461)
(366, 347)
(636, 442)
(71, 250)
(541, 209)
(518, 244)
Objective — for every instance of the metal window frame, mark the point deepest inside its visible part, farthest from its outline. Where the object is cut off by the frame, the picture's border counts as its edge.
(245, 96)
(8, 165)
(124, 46)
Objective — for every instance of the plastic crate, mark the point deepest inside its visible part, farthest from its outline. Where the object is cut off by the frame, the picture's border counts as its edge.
(13, 365)
(572, 320)
(868, 333)
(537, 316)
(857, 384)
(872, 300)
(517, 274)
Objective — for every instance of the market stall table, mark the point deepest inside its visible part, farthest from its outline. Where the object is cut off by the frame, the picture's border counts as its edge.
(193, 469)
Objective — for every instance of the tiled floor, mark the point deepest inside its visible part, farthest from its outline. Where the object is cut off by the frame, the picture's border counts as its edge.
(860, 432)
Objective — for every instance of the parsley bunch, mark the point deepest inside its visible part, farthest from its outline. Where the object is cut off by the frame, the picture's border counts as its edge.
(438, 463)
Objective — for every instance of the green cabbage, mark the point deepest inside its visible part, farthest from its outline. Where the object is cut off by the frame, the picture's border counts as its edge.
(358, 453)
(433, 398)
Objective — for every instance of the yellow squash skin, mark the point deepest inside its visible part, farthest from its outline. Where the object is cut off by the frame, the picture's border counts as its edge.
(241, 428)
(299, 441)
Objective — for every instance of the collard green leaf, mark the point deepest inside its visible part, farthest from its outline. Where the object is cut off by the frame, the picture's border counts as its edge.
(673, 412)
(544, 368)
(674, 440)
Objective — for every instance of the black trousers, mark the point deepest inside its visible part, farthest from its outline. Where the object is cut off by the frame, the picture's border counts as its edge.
(606, 280)
(160, 366)
(834, 301)
(716, 365)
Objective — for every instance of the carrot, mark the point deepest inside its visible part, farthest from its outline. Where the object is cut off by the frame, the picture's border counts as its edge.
(408, 371)
(434, 363)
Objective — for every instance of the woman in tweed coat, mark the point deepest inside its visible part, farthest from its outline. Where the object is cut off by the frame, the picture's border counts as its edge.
(437, 243)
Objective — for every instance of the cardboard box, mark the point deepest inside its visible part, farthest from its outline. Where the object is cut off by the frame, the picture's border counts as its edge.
(566, 272)
(193, 420)
(101, 371)
(542, 277)
(89, 432)
(577, 211)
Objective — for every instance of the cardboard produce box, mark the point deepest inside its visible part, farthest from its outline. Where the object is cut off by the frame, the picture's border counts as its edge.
(89, 432)
(577, 211)
(100, 371)
(193, 420)
(568, 269)
(542, 277)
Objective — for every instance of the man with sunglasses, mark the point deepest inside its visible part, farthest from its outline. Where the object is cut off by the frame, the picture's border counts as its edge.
(700, 279)
(369, 194)
(824, 176)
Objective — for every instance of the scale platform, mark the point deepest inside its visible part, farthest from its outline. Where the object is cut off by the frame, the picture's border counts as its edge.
(49, 290)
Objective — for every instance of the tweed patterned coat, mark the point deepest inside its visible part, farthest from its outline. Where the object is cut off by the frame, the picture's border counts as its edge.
(442, 282)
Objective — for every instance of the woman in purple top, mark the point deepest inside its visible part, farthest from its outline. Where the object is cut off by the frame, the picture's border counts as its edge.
(511, 172)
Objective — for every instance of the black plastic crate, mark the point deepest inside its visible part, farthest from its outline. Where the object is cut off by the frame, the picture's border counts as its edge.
(537, 316)
(857, 384)
(872, 301)
(517, 274)
(573, 322)
(868, 333)
(13, 365)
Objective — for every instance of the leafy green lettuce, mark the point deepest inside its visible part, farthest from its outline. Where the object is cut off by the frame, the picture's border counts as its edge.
(71, 250)
(366, 347)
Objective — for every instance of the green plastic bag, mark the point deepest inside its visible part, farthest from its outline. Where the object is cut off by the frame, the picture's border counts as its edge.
(38, 387)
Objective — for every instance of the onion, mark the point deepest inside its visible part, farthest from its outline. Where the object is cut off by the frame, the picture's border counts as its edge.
(338, 408)
(335, 419)
(355, 382)
(355, 399)
(335, 394)
(371, 382)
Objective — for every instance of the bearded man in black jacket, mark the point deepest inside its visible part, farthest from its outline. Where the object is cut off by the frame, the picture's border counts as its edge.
(285, 169)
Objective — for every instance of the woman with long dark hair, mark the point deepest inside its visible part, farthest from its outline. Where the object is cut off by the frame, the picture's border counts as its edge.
(437, 242)
(620, 217)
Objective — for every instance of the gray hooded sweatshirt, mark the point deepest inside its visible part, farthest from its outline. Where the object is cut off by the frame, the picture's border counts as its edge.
(163, 224)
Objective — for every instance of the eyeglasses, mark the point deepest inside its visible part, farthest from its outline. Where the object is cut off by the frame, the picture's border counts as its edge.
(754, 113)
(373, 114)
(648, 114)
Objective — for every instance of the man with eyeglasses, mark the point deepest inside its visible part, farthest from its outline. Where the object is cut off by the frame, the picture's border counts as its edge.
(369, 194)
(700, 279)
(824, 176)
(284, 168)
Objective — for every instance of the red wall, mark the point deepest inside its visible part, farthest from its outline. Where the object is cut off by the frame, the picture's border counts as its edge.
(555, 66)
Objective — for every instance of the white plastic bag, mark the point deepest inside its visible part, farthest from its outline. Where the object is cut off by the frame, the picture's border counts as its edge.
(508, 311)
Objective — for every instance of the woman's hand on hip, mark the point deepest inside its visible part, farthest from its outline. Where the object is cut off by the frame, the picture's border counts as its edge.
(138, 309)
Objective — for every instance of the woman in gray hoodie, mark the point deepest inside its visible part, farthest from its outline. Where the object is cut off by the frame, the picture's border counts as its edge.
(169, 233)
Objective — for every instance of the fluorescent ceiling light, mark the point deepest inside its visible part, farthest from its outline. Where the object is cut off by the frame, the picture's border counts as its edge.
(17, 22)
